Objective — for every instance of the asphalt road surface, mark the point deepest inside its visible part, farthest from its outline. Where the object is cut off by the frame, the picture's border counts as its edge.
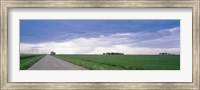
(51, 63)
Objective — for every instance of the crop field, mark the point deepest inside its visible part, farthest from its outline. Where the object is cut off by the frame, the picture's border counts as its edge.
(27, 60)
(124, 62)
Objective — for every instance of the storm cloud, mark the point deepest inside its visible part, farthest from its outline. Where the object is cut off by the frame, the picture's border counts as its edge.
(97, 37)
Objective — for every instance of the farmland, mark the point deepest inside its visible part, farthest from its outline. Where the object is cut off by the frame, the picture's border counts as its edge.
(27, 60)
(124, 62)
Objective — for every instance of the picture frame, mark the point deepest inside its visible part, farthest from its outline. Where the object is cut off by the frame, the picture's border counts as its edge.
(4, 57)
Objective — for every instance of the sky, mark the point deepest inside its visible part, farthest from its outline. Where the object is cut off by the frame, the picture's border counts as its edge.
(99, 36)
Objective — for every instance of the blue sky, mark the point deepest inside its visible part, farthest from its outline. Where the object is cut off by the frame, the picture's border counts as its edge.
(160, 35)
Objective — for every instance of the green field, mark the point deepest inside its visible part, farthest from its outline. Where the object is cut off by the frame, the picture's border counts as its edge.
(124, 62)
(27, 61)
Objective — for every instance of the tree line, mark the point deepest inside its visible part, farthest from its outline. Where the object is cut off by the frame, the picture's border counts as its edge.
(113, 53)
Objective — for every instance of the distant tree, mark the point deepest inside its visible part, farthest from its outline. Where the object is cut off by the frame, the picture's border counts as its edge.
(113, 53)
(53, 53)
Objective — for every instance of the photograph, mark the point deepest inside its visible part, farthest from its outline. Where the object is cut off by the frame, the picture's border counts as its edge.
(99, 44)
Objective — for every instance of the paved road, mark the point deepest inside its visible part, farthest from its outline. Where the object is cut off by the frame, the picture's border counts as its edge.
(51, 63)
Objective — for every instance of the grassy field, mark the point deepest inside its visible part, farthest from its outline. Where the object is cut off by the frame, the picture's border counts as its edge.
(27, 61)
(126, 62)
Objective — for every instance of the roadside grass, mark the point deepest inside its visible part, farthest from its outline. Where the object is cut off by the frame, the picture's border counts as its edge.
(88, 64)
(127, 62)
(27, 61)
